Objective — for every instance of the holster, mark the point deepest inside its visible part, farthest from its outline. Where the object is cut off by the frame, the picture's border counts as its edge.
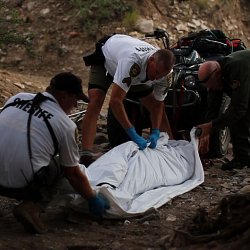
(97, 57)
(48, 176)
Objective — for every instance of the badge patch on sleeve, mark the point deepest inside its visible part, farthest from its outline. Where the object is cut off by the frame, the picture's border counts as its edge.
(134, 70)
(235, 84)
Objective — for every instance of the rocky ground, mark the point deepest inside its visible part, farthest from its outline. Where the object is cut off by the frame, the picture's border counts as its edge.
(159, 230)
(162, 229)
(189, 221)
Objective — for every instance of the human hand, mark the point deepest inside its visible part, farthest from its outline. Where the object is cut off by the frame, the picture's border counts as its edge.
(139, 140)
(204, 129)
(98, 204)
(155, 134)
(204, 145)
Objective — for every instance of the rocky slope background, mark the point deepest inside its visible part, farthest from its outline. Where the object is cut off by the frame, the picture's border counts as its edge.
(41, 38)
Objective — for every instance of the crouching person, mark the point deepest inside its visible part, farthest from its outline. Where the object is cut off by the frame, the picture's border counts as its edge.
(38, 147)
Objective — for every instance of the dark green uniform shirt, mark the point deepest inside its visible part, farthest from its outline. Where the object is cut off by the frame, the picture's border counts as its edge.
(236, 76)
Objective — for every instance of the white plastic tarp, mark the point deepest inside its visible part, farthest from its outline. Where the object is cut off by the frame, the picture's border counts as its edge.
(136, 181)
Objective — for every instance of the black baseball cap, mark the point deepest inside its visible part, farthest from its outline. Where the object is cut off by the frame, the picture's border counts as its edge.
(69, 82)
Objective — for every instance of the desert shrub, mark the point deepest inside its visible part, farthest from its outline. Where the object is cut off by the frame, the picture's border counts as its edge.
(202, 4)
(8, 33)
(130, 19)
(92, 14)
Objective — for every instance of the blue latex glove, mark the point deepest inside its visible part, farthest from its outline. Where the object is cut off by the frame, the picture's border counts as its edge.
(98, 204)
(140, 141)
(155, 134)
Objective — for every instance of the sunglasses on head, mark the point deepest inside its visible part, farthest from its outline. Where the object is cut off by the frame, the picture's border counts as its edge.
(207, 78)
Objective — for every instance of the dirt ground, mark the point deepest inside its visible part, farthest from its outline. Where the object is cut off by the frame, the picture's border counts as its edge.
(69, 229)
(61, 46)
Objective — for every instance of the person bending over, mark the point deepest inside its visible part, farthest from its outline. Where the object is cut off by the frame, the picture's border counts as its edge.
(230, 75)
(131, 66)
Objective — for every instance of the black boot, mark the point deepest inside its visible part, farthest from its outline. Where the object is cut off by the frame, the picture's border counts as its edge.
(234, 164)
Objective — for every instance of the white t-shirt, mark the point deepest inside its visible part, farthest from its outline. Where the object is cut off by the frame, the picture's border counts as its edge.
(15, 164)
(126, 60)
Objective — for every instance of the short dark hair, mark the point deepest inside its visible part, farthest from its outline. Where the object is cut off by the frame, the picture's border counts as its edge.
(166, 56)
(67, 81)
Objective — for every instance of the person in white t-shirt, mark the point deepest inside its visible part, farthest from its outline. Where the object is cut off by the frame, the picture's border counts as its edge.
(131, 65)
(38, 147)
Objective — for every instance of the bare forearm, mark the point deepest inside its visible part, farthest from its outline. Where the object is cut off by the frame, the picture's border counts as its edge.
(82, 186)
(79, 182)
(206, 129)
(121, 116)
(155, 109)
(120, 113)
(156, 115)
(116, 104)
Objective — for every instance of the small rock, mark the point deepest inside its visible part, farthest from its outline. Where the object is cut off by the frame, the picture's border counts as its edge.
(145, 26)
(73, 34)
(247, 180)
(245, 189)
(30, 6)
(127, 222)
(44, 11)
(19, 85)
(225, 185)
(154, 215)
(28, 83)
(181, 27)
(204, 204)
(171, 217)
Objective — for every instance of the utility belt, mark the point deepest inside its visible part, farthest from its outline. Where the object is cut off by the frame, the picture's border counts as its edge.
(97, 57)
(31, 192)
(48, 176)
(45, 177)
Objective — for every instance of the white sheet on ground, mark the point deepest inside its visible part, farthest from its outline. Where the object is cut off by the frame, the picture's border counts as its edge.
(136, 181)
